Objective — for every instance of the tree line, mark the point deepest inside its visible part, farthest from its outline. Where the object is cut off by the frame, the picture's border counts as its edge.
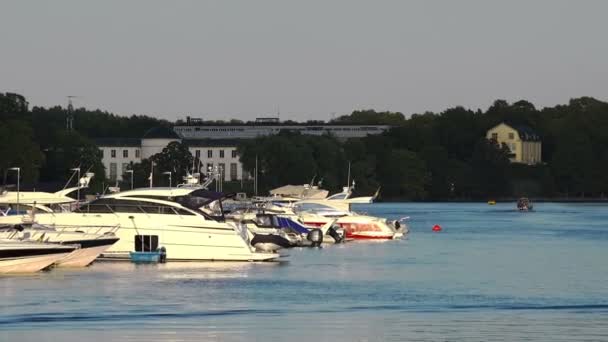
(443, 156)
(428, 156)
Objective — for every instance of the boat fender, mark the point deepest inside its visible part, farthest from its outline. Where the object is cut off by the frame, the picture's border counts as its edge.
(315, 236)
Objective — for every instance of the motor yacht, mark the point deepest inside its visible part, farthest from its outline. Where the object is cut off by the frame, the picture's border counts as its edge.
(16, 202)
(356, 226)
(90, 245)
(273, 230)
(188, 222)
(30, 257)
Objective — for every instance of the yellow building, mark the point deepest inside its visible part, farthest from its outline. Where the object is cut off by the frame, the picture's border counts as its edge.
(524, 143)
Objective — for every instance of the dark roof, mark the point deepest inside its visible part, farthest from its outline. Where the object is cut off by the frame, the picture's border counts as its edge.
(161, 133)
(526, 133)
(212, 142)
(118, 142)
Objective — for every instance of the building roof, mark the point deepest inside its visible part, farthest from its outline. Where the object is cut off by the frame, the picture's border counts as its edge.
(526, 133)
(118, 142)
(161, 133)
(212, 142)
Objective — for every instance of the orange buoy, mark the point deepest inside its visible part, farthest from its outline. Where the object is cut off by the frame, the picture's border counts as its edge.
(436, 228)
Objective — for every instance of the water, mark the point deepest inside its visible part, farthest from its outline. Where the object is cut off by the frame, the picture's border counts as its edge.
(491, 274)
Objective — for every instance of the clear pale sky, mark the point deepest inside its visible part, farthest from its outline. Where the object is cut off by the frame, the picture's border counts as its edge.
(243, 59)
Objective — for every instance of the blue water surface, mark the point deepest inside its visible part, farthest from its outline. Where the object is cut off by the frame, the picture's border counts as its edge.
(491, 274)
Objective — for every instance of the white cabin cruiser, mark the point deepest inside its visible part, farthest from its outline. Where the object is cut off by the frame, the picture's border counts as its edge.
(188, 222)
(30, 257)
(90, 245)
(358, 227)
(16, 201)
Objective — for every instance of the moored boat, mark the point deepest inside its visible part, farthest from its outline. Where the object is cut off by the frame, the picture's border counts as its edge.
(30, 257)
(90, 245)
(188, 222)
(524, 204)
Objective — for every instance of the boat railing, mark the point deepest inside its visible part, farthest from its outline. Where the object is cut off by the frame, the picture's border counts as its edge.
(97, 230)
(91, 208)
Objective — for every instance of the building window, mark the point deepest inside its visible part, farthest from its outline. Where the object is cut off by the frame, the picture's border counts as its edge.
(137, 153)
(511, 136)
(221, 153)
(233, 175)
(113, 171)
(125, 153)
(222, 170)
(233, 153)
(209, 153)
(198, 154)
(495, 136)
(113, 153)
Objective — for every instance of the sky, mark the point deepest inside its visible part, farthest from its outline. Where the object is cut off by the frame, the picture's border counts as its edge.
(312, 59)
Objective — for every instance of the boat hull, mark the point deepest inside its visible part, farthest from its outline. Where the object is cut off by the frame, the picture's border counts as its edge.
(186, 238)
(82, 257)
(363, 236)
(29, 264)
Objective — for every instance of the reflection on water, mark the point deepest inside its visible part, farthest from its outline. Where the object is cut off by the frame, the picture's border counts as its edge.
(491, 274)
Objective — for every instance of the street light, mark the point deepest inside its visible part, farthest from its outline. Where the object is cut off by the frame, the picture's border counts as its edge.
(131, 172)
(77, 182)
(18, 169)
(168, 173)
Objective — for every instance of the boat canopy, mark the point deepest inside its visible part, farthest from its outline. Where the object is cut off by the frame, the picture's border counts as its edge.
(300, 192)
(205, 201)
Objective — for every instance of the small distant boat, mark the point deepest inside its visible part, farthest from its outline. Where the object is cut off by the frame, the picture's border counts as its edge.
(524, 204)
(491, 202)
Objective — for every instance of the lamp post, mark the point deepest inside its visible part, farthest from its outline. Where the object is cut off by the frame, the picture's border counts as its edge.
(131, 172)
(168, 173)
(18, 169)
(77, 169)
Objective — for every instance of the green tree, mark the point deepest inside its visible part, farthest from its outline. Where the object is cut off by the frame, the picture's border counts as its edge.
(174, 158)
(18, 149)
(403, 175)
(490, 163)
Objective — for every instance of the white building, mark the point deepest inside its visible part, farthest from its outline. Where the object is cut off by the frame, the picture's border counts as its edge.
(200, 131)
(118, 153)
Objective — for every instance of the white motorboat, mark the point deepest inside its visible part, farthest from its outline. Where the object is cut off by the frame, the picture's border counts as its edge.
(273, 231)
(188, 221)
(30, 257)
(358, 227)
(15, 201)
(91, 245)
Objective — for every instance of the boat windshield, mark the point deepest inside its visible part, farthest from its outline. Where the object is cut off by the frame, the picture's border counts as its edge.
(313, 207)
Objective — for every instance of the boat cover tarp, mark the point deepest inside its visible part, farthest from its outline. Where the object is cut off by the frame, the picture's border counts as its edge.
(288, 223)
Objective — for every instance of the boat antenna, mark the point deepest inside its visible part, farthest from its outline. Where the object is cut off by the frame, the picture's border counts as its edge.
(72, 176)
(312, 181)
(151, 171)
(348, 177)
